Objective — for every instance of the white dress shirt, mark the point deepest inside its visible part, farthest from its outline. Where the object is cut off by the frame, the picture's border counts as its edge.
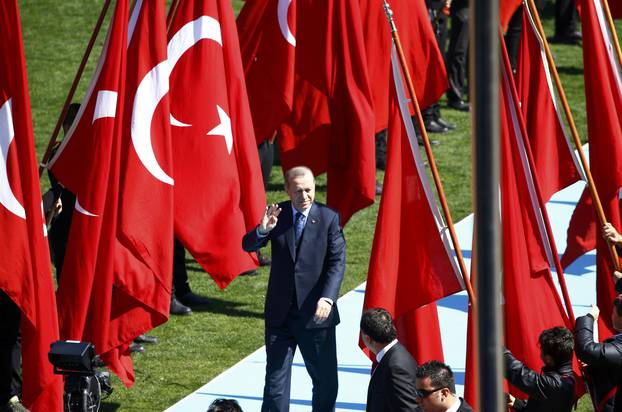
(384, 350)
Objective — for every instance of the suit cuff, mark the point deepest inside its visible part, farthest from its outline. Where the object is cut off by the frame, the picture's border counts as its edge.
(328, 300)
(259, 234)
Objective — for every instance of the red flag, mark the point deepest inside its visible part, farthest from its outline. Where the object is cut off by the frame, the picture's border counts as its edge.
(331, 127)
(409, 269)
(145, 223)
(506, 9)
(25, 275)
(527, 255)
(555, 163)
(471, 383)
(87, 163)
(603, 96)
(267, 30)
(219, 193)
(425, 60)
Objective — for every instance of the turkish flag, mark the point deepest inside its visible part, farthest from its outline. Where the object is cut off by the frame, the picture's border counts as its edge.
(267, 30)
(409, 268)
(219, 193)
(603, 98)
(555, 163)
(25, 273)
(87, 164)
(331, 126)
(531, 300)
(424, 58)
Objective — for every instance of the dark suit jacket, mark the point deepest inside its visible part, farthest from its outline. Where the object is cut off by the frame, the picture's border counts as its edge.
(392, 385)
(301, 276)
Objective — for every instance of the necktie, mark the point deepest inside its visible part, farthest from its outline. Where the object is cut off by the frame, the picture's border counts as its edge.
(299, 225)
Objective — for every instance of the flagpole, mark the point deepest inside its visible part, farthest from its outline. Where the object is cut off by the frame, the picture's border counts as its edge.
(573, 128)
(612, 29)
(428, 150)
(74, 86)
(171, 13)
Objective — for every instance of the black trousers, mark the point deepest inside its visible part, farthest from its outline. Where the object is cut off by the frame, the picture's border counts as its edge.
(457, 54)
(318, 349)
(266, 158)
(181, 285)
(513, 34)
(10, 349)
(566, 17)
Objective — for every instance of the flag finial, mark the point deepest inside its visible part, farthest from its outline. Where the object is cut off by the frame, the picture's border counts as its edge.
(389, 13)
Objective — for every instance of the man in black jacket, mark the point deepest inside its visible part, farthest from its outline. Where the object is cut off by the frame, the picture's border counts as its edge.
(553, 389)
(392, 384)
(604, 359)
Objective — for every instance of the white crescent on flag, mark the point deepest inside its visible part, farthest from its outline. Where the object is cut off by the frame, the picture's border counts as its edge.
(7, 134)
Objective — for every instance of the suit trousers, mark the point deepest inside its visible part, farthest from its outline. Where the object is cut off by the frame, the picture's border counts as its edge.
(457, 53)
(10, 349)
(318, 349)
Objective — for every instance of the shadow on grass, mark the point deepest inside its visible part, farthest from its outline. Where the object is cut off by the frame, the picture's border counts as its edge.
(109, 406)
(225, 307)
(574, 71)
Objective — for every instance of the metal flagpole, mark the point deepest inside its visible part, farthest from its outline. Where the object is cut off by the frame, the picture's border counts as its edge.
(484, 96)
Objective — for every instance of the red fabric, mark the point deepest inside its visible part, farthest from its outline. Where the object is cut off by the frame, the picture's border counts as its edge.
(268, 59)
(555, 168)
(219, 193)
(25, 273)
(526, 270)
(404, 260)
(506, 9)
(331, 127)
(604, 124)
(425, 60)
(85, 298)
(144, 256)
(581, 236)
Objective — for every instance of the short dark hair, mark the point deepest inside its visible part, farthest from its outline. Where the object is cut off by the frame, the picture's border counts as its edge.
(225, 405)
(439, 373)
(558, 343)
(378, 325)
(617, 305)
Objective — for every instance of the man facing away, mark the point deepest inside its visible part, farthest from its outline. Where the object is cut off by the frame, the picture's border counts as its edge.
(308, 263)
(553, 389)
(604, 359)
(392, 384)
(436, 389)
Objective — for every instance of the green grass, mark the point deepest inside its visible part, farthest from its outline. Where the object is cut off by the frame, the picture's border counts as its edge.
(192, 350)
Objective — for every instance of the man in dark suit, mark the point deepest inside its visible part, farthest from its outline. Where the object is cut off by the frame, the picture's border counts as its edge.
(308, 263)
(436, 389)
(392, 384)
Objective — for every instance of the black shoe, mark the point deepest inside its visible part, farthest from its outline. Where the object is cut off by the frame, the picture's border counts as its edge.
(459, 105)
(432, 142)
(574, 38)
(445, 123)
(263, 259)
(431, 126)
(252, 272)
(177, 308)
(192, 299)
(136, 348)
(152, 340)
